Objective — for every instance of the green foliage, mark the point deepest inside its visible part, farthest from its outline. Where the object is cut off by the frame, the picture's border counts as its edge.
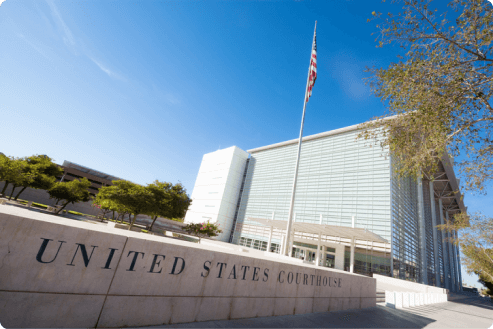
(439, 101)
(42, 173)
(475, 239)
(37, 171)
(75, 213)
(39, 205)
(125, 197)
(439, 92)
(168, 201)
(159, 199)
(202, 229)
(70, 192)
(487, 284)
(14, 171)
(104, 204)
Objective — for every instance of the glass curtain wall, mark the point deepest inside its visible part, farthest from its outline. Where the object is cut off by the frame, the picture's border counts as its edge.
(405, 229)
(339, 177)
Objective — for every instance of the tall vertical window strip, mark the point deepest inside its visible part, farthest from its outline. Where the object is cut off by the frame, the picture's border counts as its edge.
(430, 252)
(240, 194)
(405, 230)
(440, 249)
(339, 177)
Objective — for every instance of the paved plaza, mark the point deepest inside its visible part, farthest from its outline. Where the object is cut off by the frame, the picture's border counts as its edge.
(469, 312)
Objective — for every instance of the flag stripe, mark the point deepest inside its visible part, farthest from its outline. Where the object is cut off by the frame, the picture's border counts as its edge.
(312, 74)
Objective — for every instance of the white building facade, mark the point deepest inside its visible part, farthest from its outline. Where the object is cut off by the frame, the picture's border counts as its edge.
(342, 178)
(217, 188)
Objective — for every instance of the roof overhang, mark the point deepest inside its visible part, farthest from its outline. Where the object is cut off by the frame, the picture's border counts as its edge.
(328, 230)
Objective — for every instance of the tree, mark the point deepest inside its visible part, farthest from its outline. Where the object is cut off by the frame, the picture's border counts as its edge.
(202, 229)
(70, 192)
(160, 202)
(130, 197)
(13, 171)
(168, 201)
(112, 198)
(104, 203)
(42, 173)
(475, 241)
(439, 93)
(488, 285)
(7, 167)
(438, 97)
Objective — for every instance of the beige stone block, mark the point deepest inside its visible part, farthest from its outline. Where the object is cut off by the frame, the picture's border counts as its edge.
(213, 308)
(120, 311)
(321, 304)
(284, 306)
(336, 304)
(368, 286)
(303, 305)
(28, 310)
(60, 266)
(355, 291)
(368, 302)
(244, 308)
(353, 303)
(183, 309)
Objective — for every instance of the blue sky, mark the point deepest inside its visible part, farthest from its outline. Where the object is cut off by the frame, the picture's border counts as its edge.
(143, 89)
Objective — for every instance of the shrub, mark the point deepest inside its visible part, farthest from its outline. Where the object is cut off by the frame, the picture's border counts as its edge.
(202, 229)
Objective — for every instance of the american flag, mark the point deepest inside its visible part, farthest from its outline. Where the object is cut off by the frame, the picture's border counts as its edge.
(312, 75)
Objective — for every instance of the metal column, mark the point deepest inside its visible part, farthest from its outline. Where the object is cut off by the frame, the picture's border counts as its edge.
(422, 244)
(446, 266)
(456, 263)
(317, 255)
(351, 259)
(459, 266)
(435, 242)
(269, 243)
(451, 259)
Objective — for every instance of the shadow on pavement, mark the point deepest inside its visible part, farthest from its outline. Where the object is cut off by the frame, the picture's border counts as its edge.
(476, 301)
(374, 317)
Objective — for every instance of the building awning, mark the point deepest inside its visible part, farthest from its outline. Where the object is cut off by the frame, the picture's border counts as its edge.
(328, 230)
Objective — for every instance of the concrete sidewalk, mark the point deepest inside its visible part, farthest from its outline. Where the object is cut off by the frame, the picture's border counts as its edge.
(469, 312)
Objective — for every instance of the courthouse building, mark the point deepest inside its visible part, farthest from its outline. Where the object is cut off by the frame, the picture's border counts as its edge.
(350, 205)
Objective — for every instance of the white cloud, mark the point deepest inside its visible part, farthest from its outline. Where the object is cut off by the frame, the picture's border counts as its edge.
(1, 1)
(172, 99)
(68, 37)
(106, 70)
(166, 96)
(69, 40)
(37, 48)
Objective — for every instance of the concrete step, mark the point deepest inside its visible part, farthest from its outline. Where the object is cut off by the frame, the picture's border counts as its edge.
(380, 296)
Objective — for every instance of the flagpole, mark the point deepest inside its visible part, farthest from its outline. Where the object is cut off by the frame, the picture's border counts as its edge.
(291, 205)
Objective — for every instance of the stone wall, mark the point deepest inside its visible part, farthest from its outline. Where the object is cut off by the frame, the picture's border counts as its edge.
(61, 273)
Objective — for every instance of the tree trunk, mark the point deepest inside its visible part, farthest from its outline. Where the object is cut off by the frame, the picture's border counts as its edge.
(150, 228)
(12, 193)
(132, 222)
(5, 187)
(62, 207)
(23, 189)
(113, 215)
